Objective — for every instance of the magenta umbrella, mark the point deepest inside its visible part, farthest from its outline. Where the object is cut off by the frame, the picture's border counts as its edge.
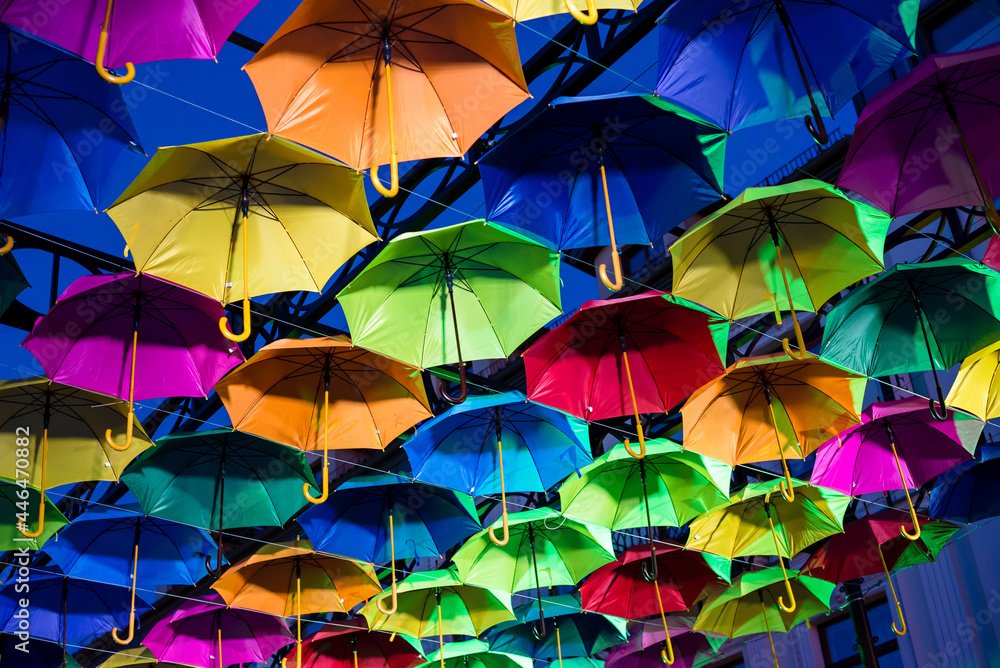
(898, 445)
(645, 648)
(927, 140)
(210, 635)
(130, 30)
(133, 336)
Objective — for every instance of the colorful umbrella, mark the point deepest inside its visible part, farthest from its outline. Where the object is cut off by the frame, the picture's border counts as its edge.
(350, 645)
(916, 317)
(139, 656)
(437, 603)
(324, 79)
(455, 449)
(752, 604)
(778, 56)
(852, 554)
(578, 365)
(577, 633)
(976, 389)
(128, 322)
(769, 407)
(858, 461)
(52, 106)
(33, 653)
(475, 654)
(919, 113)
(245, 216)
(731, 261)
(184, 479)
(181, 30)
(12, 505)
(104, 544)
(968, 493)
(640, 150)
(525, 10)
(283, 394)
(211, 635)
(667, 487)
(756, 524)
(499, 287)
(648, 644)
(35, 411)
(544, 548)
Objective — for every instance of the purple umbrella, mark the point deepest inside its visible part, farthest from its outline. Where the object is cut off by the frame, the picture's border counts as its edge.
(898, 444)
(208, 634)
(133, 336)
(927, 140)
(140, 30)
(645, 648)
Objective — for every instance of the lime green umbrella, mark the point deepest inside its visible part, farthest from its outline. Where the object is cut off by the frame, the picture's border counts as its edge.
(470, 291)
(139, 656)
(16, 498)
(668, 487)
(544, 548)
(760, 521)
(435, 603)
(474, 654)
(752, 604)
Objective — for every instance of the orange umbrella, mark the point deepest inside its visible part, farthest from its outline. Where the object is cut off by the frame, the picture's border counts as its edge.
(286, 391)
(288, 579)
(772, 407)
(379, 81)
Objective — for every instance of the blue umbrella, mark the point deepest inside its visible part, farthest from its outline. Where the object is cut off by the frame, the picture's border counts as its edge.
(364, 516)
(114, 544)
(33, 653)
(632, 160)
(462, 448)
(766, 60)
(64, 131)
(967, 493)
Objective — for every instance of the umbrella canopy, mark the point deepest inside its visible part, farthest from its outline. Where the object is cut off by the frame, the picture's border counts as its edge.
(435, 603)
(732, 260)
(11, 505)
(580, 633)
(52, 105)
(350, 645)
(547, 178)
(12, 281)
(943, 108)
(582, 366)
(325, 79)
(475, 654)
(771, 407)
(474, 286)
(967, 493)
(646, 648)
(976, 389)
(33, 653)
(916, 317)
(207, 634)
(139, 656)
(524, 10)
(285, 393)
(780, 58)
(246, 216)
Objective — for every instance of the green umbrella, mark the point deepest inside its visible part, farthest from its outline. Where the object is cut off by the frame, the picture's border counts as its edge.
(220, 478)
(430, 603)
(759, 521)
(752, 605)
(545, 548)
(916, 317)
(474, 654)
(474, 288)
(15, 499)
(668, 487)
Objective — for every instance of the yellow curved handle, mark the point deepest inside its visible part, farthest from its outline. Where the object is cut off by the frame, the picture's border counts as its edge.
(102, 47)
(800, 342)
(441, 634)
(109, 438)
(642, 446)
(786, 487)
(7, 246)
(393, 188)
(245, 334)
(131, 615)
(635, 408)
(791, 595)
(41, 488)
(781, 562)
(913, 511)
(667, 653)
(392, 566)
(326, 462)
(892, 588)
(587, 19)
(503, 504)
(615, 259)
(131, 402)
(767, 625)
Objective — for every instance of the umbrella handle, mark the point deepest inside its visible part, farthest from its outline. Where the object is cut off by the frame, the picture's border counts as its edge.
(392, 568)
(326, 463)
(892, 588)
(799, 340)
(587, 19)
(393, 188)
(503, 504)
(223, 322)
(781, 562)
(463, 388)
(131, 615)
(131, 403)
(616, 261)
(767, 625)
(463, 391)
(7, 246)
(440, 628)
(913, 511)
(817, 130)
(217, 571)
(667, 652)
(786, 487)
(23, 528)
(635, 408)
(102, 47)
(943, 415)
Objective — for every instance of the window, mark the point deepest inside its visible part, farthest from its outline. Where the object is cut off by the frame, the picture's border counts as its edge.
(945, 32)
(838, 640)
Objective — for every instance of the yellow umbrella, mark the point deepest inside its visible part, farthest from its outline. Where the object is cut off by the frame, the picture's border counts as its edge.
(976, 389)
(241, 217)
(524, 10)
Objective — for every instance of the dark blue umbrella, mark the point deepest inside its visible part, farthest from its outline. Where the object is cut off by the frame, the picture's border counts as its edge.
(33, 653)
(64, 131)
(632, 159)
(968, 492)
(758, 61)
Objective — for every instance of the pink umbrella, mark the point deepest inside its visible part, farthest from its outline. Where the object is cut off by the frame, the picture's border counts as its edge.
(133, 336)
(898, 445)
(645, 647)
(210, 635)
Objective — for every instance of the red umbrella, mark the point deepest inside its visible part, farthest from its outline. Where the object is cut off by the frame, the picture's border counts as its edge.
(658, 347)
(351, 645)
